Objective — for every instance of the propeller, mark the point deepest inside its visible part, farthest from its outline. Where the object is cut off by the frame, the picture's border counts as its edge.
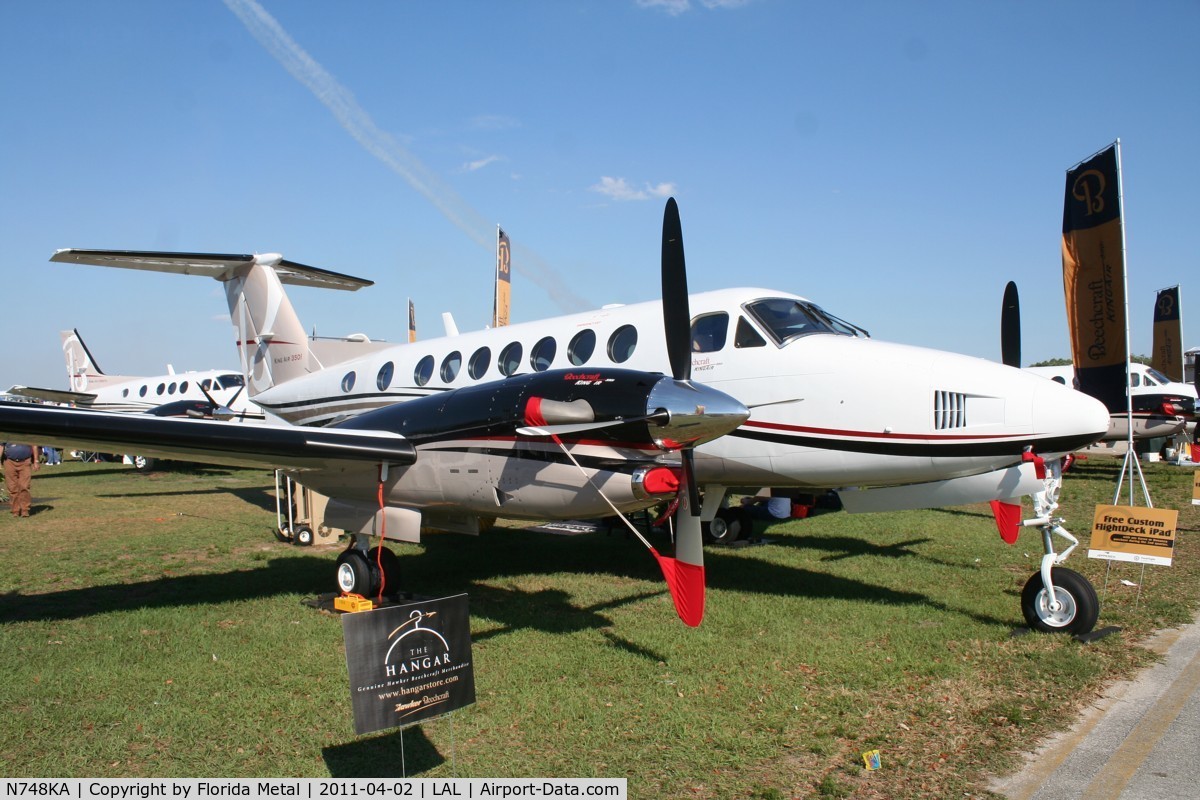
(685, 571)
(685, 414)
(222, 412)
(1010, 327)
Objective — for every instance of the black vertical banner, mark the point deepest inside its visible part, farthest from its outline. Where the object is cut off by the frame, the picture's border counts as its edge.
(1094, 278)
(408, 663)
(1167, 356)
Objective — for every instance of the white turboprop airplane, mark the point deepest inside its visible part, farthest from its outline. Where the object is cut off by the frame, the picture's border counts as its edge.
(571, 417)
(92, 388)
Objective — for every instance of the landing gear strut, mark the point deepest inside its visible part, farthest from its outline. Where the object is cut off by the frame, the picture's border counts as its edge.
(1056, 599)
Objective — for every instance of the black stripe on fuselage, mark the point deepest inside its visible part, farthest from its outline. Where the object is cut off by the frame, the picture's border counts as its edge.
(956, 449)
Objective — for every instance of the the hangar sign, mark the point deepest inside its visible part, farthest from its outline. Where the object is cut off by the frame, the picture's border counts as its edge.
(1128, 533)
(409, 662)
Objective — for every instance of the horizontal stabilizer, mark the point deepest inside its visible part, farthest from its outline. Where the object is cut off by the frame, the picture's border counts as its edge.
(51, 395)
(201, 440)
(1014, 481)
(213, 265)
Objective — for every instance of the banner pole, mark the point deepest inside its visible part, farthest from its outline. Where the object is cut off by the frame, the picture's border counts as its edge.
(1131, 460)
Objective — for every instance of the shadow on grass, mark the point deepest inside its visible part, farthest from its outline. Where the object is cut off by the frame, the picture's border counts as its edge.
(447, 563)
(960, 512)
(260, 496)
(49, 474)
(842, 547)
(402, 753)
(451, 564)
(279, 576)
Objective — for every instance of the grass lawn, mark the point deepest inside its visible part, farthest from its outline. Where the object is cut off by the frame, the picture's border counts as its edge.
(152, 626)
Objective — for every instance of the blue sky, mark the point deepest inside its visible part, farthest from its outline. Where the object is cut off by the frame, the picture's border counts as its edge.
(895, 162)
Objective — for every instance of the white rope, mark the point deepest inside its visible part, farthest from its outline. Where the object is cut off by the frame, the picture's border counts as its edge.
(588, 478)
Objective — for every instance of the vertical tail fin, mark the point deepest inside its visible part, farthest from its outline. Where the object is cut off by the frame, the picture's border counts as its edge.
(83, 373)
(271, 341)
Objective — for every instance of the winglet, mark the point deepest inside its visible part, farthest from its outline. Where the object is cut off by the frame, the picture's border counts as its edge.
(1008, 518)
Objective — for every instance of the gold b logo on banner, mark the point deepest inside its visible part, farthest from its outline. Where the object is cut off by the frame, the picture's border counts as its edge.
(1082, 190)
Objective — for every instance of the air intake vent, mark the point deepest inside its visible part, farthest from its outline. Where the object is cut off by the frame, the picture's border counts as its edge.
(949, 410)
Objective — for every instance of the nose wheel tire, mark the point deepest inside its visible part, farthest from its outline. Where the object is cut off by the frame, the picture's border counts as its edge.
(353, 574)
(358, 573)
(1076, 609)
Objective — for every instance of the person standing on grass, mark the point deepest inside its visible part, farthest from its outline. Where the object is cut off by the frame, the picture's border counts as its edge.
(20, 462)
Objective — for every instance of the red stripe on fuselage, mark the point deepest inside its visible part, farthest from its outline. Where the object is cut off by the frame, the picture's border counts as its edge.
(947, 437)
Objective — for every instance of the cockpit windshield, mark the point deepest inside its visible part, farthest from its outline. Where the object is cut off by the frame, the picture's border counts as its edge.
(787, 319)
(1158, 377)
(228, 381)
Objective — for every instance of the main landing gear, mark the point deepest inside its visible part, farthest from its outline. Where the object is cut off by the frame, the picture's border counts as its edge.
(367, 571)
(1056, 599)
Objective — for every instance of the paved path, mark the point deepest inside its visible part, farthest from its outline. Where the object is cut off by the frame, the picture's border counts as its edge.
(1141, 741)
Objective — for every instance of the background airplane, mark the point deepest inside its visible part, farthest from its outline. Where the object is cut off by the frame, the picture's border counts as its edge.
(91, 387)
(1161, 407)
(953, 430)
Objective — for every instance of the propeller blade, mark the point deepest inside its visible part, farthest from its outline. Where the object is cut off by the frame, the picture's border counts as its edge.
(677, 317)
(207, 396)
(685, 571)
(688, 481)
(236, 395)
(1010, 327)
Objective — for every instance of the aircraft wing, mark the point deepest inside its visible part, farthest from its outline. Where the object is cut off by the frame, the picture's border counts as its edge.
(52, 395)
(214, 265)
(202, 440)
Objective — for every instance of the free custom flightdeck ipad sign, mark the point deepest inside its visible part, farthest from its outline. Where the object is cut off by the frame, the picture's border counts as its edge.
(409, 662)
(1128, 533)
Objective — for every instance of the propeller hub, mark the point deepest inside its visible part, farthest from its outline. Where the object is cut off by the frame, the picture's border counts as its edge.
(695, 413)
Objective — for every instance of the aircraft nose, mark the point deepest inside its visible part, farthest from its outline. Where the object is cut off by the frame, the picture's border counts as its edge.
(1070, 418)
(694, 413)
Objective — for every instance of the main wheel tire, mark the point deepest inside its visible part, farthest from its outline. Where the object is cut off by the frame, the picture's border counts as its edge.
(391, 570)
(1079, 604)
(353, 574)
(303, 536)
(143, 463)
(727, 526)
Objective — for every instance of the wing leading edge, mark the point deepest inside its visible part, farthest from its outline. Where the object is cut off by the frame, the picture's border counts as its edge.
(201, 440)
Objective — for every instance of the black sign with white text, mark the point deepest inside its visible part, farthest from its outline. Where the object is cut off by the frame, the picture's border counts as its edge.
(409, 662)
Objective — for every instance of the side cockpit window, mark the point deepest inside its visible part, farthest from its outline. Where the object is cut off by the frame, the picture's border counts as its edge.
(746, 336)
(709, 332)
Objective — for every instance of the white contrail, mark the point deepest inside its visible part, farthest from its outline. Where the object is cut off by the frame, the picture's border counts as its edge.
(350, 115)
